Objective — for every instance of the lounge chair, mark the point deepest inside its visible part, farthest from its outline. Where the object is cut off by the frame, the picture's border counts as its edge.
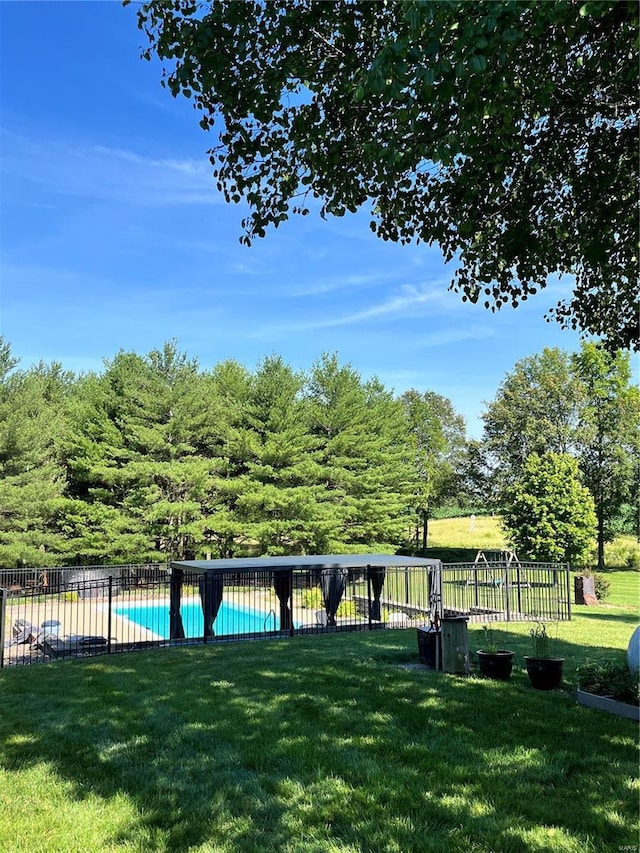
(74, 645)
(23, 633)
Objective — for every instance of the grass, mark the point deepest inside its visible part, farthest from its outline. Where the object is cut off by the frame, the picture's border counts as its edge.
(333, 743)
(485, 532)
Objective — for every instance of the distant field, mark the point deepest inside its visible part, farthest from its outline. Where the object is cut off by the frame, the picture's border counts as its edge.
(485, 533)
(481, 532)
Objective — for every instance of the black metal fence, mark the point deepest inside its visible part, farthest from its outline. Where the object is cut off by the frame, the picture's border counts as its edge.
(79, 611)
(507, 591)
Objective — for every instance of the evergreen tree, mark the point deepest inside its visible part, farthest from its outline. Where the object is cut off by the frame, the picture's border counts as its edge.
(281, 500)
(363, 458)
(132, 451)
(32, 422)
(229, 444)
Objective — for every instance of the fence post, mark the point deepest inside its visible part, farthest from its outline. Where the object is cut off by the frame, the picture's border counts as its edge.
(507, 602)
(476, 598)
(3, 613)
(110, 598)
(519, 587)
(567, 571)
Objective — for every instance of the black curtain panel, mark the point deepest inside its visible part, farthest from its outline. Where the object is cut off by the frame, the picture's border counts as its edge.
(176, 628)
(282, 583)
(332, 584)
(376, 576)
(211, 591)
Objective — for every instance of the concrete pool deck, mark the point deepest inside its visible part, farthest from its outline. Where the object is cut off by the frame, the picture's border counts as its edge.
(90, 617)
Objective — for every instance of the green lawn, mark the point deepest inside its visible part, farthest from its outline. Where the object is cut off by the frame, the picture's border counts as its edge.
(485, 533)
(316, 744)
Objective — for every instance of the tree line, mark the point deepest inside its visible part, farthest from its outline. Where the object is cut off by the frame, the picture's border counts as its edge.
(155, 458)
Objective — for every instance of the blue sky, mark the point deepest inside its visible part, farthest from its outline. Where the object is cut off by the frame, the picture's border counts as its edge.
(113, 236)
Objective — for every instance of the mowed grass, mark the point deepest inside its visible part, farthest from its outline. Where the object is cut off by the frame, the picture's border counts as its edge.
(485, 532)
(315, 744)
(482, 532)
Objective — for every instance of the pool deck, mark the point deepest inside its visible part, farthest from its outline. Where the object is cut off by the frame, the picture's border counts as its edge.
(90, 617)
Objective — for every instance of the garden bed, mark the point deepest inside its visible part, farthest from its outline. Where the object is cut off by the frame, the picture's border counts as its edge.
(605, 703)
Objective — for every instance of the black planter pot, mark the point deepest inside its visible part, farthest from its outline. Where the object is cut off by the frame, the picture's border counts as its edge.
(496, 664)
(544, 673)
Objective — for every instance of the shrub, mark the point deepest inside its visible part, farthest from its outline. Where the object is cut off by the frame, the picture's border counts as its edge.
(601, 583)
(347, 610)
(623, 552)
(312, 599)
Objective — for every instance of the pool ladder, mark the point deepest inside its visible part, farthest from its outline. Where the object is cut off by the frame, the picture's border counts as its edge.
(266, 619)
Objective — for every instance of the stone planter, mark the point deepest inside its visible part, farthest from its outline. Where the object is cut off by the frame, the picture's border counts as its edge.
(612, 706)
(544, 673)
(496, 665)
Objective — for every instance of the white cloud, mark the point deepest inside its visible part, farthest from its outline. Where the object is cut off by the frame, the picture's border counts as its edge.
(411, 301)
(103, 173)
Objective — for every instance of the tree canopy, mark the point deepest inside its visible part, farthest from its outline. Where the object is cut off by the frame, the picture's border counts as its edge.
(549, 514)
(506, 132)
(583, 404)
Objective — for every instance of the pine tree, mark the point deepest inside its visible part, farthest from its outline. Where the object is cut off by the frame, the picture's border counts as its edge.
(362, 457)
(32, 422)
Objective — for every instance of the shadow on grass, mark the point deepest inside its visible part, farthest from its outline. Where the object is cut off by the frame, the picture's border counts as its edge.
(628, 618)
(322, 743)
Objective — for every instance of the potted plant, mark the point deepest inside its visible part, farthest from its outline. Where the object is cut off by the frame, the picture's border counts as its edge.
(544, 670)
(494, 662)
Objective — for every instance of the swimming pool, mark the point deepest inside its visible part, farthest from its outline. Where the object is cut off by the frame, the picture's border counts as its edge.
(231, 618)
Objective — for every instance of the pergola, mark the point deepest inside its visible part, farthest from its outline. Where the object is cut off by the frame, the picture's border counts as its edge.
(330, 570)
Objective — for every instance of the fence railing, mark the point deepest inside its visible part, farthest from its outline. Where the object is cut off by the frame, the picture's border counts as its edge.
(82, 611)
(507, 591)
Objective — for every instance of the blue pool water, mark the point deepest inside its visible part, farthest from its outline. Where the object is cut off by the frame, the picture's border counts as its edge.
(231, 619)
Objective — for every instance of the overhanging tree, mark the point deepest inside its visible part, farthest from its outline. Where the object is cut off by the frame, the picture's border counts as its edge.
(505, 132)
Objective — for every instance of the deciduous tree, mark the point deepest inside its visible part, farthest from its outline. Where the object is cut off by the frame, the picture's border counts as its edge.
(549, 515)
(506, 132)
(608, 436)
(535, 410)
(436, 437)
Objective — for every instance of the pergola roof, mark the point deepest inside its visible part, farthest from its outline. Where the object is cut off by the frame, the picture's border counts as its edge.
(306, 561)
